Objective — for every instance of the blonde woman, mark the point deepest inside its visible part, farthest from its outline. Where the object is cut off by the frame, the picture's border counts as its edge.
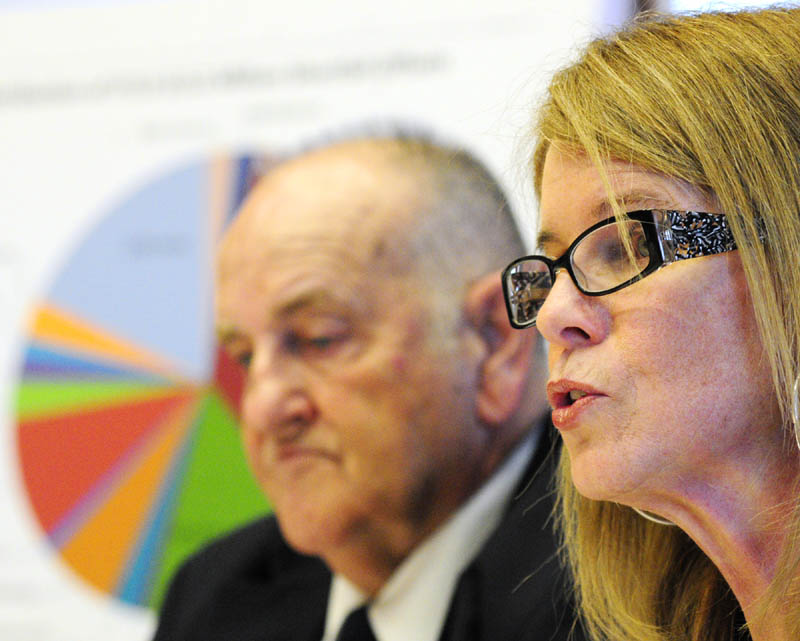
(667, 282)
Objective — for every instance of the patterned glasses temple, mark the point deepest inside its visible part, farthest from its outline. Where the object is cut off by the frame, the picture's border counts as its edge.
(698, 234)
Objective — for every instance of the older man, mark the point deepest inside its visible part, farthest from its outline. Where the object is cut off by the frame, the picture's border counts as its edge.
(391, 415)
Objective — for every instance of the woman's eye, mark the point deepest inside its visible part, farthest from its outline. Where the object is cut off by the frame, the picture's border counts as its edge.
(640, 244)
(613, 251)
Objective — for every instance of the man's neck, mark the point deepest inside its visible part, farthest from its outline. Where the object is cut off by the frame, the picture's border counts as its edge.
(426, 579)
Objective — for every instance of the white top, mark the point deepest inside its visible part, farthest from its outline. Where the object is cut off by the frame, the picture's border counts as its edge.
(414, 602)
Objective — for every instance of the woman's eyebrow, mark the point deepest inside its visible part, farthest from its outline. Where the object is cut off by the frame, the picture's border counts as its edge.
(603, 210)
(545, 238)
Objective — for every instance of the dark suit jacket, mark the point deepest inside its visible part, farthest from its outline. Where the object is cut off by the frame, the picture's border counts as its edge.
(250, 585)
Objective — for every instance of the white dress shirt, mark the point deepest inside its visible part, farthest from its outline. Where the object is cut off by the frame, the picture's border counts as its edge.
(414, 601)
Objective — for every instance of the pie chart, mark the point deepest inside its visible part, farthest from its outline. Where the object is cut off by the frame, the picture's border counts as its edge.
(126, 410)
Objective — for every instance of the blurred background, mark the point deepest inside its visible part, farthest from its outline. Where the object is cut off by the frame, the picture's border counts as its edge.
(130, 131)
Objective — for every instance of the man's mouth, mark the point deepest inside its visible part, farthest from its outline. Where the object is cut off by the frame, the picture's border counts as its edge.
(292, 451)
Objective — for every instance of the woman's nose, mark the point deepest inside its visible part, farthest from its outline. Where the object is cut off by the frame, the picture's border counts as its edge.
(569, 318)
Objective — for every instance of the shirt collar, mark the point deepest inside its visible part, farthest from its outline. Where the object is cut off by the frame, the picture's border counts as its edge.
(413, 604)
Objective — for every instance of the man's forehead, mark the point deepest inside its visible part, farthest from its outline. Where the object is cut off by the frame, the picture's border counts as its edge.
(332, 244)
(326, 203)
(254, 288)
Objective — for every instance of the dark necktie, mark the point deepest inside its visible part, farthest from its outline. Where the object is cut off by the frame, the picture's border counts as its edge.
(356, 627)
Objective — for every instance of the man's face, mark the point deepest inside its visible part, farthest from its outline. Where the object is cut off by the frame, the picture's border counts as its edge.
(357, 423)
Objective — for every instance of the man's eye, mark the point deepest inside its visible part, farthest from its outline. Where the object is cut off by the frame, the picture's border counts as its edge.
(243, 358)
(315, 344)
(239, 351)
(322, 342)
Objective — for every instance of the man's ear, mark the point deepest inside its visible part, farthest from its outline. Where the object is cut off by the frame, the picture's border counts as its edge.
(508, 352)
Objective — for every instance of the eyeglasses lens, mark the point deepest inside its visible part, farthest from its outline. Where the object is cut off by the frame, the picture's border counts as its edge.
(601, 261)
(528, 283)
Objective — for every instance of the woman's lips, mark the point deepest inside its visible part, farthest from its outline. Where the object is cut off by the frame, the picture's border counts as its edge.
(569, 399)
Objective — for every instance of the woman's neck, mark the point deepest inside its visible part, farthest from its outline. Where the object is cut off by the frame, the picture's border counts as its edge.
(739, 512)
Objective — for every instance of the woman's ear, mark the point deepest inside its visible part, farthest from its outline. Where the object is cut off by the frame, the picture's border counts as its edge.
(505, 368)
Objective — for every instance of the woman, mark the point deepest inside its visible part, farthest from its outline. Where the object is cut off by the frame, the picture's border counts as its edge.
(668, 287)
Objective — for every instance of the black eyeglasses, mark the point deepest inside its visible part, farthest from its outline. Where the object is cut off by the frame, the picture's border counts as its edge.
(599, 262)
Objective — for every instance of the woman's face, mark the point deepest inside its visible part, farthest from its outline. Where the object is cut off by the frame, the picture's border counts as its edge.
(676, 384)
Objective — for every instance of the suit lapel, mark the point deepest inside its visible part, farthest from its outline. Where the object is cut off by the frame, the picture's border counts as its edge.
(510, 591)
(298, 601)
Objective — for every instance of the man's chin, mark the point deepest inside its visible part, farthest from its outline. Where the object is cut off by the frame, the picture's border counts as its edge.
(312, 534)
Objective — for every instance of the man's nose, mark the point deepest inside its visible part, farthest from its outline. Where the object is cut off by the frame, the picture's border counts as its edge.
(276, 396)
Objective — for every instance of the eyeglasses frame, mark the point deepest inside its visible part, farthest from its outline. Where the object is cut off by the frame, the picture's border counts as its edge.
(671, 235)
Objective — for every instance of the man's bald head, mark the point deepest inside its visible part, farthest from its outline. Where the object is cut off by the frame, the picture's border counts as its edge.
(435, 208)
(351, 199)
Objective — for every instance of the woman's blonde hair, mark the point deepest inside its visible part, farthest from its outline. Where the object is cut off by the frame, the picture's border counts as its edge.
(712, 99)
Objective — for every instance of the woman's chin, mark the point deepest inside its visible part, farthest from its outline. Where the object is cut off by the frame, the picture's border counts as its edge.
(592, 490)
(599, 482)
